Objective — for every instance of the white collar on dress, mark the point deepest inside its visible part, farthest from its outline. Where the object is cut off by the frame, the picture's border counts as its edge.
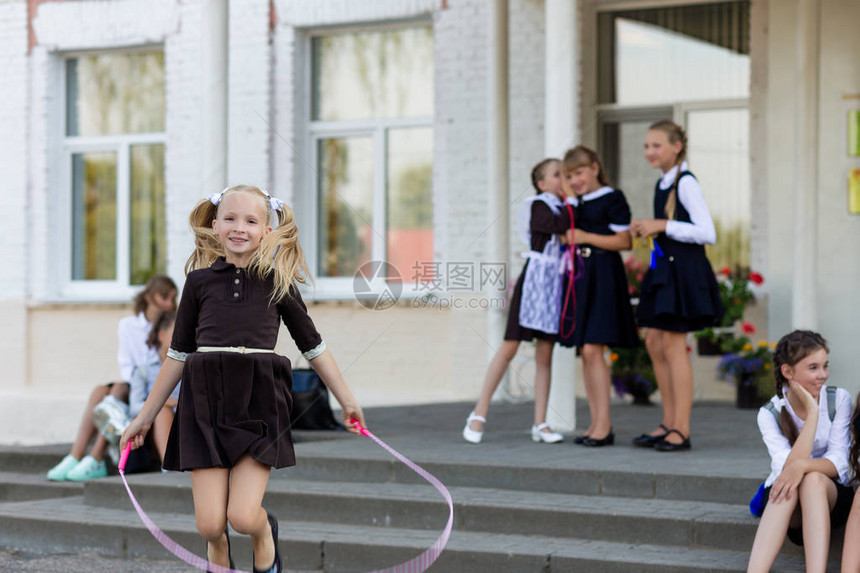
(592, 195)
(668, 178)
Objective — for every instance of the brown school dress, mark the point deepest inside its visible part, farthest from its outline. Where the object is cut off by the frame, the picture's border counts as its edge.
(232, 403)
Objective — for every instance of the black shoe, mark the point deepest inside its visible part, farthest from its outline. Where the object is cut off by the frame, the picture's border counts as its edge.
(664, 446)
(647, 441)
(595, 443)
(229, 552)
(275, 567)
(580, 439)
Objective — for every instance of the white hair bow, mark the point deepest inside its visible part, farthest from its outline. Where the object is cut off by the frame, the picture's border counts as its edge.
(275, 203)
(215, 198)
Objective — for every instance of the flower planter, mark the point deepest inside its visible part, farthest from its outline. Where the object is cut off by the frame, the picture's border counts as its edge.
(747, 396)
(708, 346)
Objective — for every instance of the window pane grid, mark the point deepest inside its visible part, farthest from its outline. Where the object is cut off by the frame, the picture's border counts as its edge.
(115, 142)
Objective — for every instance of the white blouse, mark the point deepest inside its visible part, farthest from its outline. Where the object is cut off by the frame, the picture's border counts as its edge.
(832, 439)
(132, 333)
(700, 230)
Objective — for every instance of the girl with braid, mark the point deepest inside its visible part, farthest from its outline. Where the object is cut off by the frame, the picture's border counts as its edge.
(679, 291)
(805, 428)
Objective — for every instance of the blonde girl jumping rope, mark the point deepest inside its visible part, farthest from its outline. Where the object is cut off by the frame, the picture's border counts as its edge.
(232, 423)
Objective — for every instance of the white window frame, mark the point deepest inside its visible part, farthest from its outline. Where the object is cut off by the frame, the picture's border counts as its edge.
(341, 288)
(119, 289)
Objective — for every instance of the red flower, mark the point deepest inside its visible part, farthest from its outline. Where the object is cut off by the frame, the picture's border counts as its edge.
(725, 271)
(748, 328)
(756, 278)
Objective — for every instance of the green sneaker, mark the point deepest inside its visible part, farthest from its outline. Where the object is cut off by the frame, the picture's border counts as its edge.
(88, 469)
(61, 470)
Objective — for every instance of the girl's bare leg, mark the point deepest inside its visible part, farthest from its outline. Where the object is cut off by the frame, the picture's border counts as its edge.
(245, 510)
(851, 546)
(495, 371)
(681, 380)
(770, 534)
(161, 430)
(209, 488)
(596, 373)
(543, 367)
(655, 345)
(87, 429)
(817, 494)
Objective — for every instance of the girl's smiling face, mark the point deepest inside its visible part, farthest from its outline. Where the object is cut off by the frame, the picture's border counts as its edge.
(241, 224)
(659, 152)
(583, 179)
(811, 372)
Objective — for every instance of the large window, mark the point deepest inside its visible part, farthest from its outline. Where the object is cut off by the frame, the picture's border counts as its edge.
(690, 64)
(113, 147)
(371, 128)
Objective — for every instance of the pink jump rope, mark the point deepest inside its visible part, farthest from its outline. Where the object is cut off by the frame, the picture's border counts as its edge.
(417, 565)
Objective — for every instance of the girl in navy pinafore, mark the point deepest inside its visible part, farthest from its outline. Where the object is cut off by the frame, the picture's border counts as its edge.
(679, 292)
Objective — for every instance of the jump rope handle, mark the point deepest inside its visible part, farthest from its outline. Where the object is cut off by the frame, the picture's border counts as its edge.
(124, 457)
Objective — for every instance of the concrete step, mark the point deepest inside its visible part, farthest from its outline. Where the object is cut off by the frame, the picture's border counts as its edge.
(26, 486)
(629, 520)
(69, 524)
(580, 481)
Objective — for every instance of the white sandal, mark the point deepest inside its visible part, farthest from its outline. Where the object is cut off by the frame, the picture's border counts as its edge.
(550, 437)
(470, 435)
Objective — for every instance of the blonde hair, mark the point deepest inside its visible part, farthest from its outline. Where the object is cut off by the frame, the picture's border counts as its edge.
(279, 252)
(581, 156)
(675, 133)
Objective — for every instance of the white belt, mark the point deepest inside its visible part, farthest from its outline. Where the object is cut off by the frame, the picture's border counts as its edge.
(236, 349)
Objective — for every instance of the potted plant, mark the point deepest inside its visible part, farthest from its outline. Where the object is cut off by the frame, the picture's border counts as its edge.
(632, 373)
(635, 271)
(749, 366)
(736, 295)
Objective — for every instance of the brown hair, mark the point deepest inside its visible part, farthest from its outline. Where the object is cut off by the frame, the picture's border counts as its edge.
(791, 349)
(855, 441)
(675, 133)
(279, 251)
(160, 324)
(581, 156)
(539, 170)
(162, 285)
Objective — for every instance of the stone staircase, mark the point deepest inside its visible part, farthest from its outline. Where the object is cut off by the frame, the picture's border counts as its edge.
(347, 508)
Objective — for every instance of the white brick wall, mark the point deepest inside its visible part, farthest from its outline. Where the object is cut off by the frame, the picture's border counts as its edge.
(250, 115)
(309, 13)
(13, 147)
(526, 85)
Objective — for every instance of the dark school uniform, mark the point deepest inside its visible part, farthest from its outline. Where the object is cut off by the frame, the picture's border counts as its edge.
(680, 293)
(231, 403)
(602, 312)
(542, 226)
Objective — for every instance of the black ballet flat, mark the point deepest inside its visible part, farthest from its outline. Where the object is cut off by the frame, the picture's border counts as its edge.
(595, 443)
(229, 551)
(580, 439)
(646, 441)
(664, 446)
(275, 567)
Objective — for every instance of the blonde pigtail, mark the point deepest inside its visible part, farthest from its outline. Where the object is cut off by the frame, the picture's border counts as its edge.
(280, 253)
(207, 247)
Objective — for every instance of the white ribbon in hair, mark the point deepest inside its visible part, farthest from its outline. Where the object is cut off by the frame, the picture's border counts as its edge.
(275, 203)
(215, 198)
